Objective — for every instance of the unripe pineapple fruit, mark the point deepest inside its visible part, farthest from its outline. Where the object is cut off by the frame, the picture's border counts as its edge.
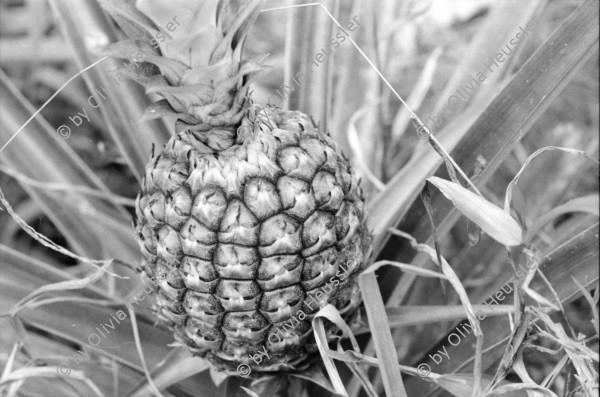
(250, 219)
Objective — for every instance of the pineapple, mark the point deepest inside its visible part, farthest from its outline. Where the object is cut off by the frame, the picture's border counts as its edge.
(250, 219)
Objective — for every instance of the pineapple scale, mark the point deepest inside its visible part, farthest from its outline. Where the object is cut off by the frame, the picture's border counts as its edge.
(241, 240)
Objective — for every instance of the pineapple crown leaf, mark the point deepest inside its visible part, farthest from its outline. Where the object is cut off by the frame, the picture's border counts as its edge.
(196, 99)
(135, 24)
(160, 108)
(237, 29)
(199, 69)
(199, 42)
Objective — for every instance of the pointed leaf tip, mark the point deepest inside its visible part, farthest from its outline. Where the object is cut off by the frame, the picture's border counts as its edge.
(492, 219)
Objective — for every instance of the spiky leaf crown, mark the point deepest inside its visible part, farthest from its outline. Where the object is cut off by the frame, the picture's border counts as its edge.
(198, 71)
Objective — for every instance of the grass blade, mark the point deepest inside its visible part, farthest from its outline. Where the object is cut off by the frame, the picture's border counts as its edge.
(109, 234)
(72, 320)
(576, 258)
(492, 219)
(587, 204)
(134, 140)
(382, 337)
(492, 136)
(176, 366)
(414, 315)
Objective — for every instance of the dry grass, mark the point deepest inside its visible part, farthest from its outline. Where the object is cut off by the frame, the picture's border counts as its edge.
(514, 222)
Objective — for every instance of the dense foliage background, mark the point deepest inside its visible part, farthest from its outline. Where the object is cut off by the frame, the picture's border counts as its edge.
(490, 81)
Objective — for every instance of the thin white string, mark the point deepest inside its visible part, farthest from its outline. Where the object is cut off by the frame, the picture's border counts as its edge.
(50, 99)
(422, 129)
(413, 114)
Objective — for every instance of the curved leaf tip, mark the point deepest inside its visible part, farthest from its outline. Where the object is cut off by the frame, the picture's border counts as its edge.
(489, 217)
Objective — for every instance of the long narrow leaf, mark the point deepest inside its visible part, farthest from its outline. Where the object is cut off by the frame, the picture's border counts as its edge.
(576, 259)
(492, 135)
(382, 337)
(126, 103)
(109, 234)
